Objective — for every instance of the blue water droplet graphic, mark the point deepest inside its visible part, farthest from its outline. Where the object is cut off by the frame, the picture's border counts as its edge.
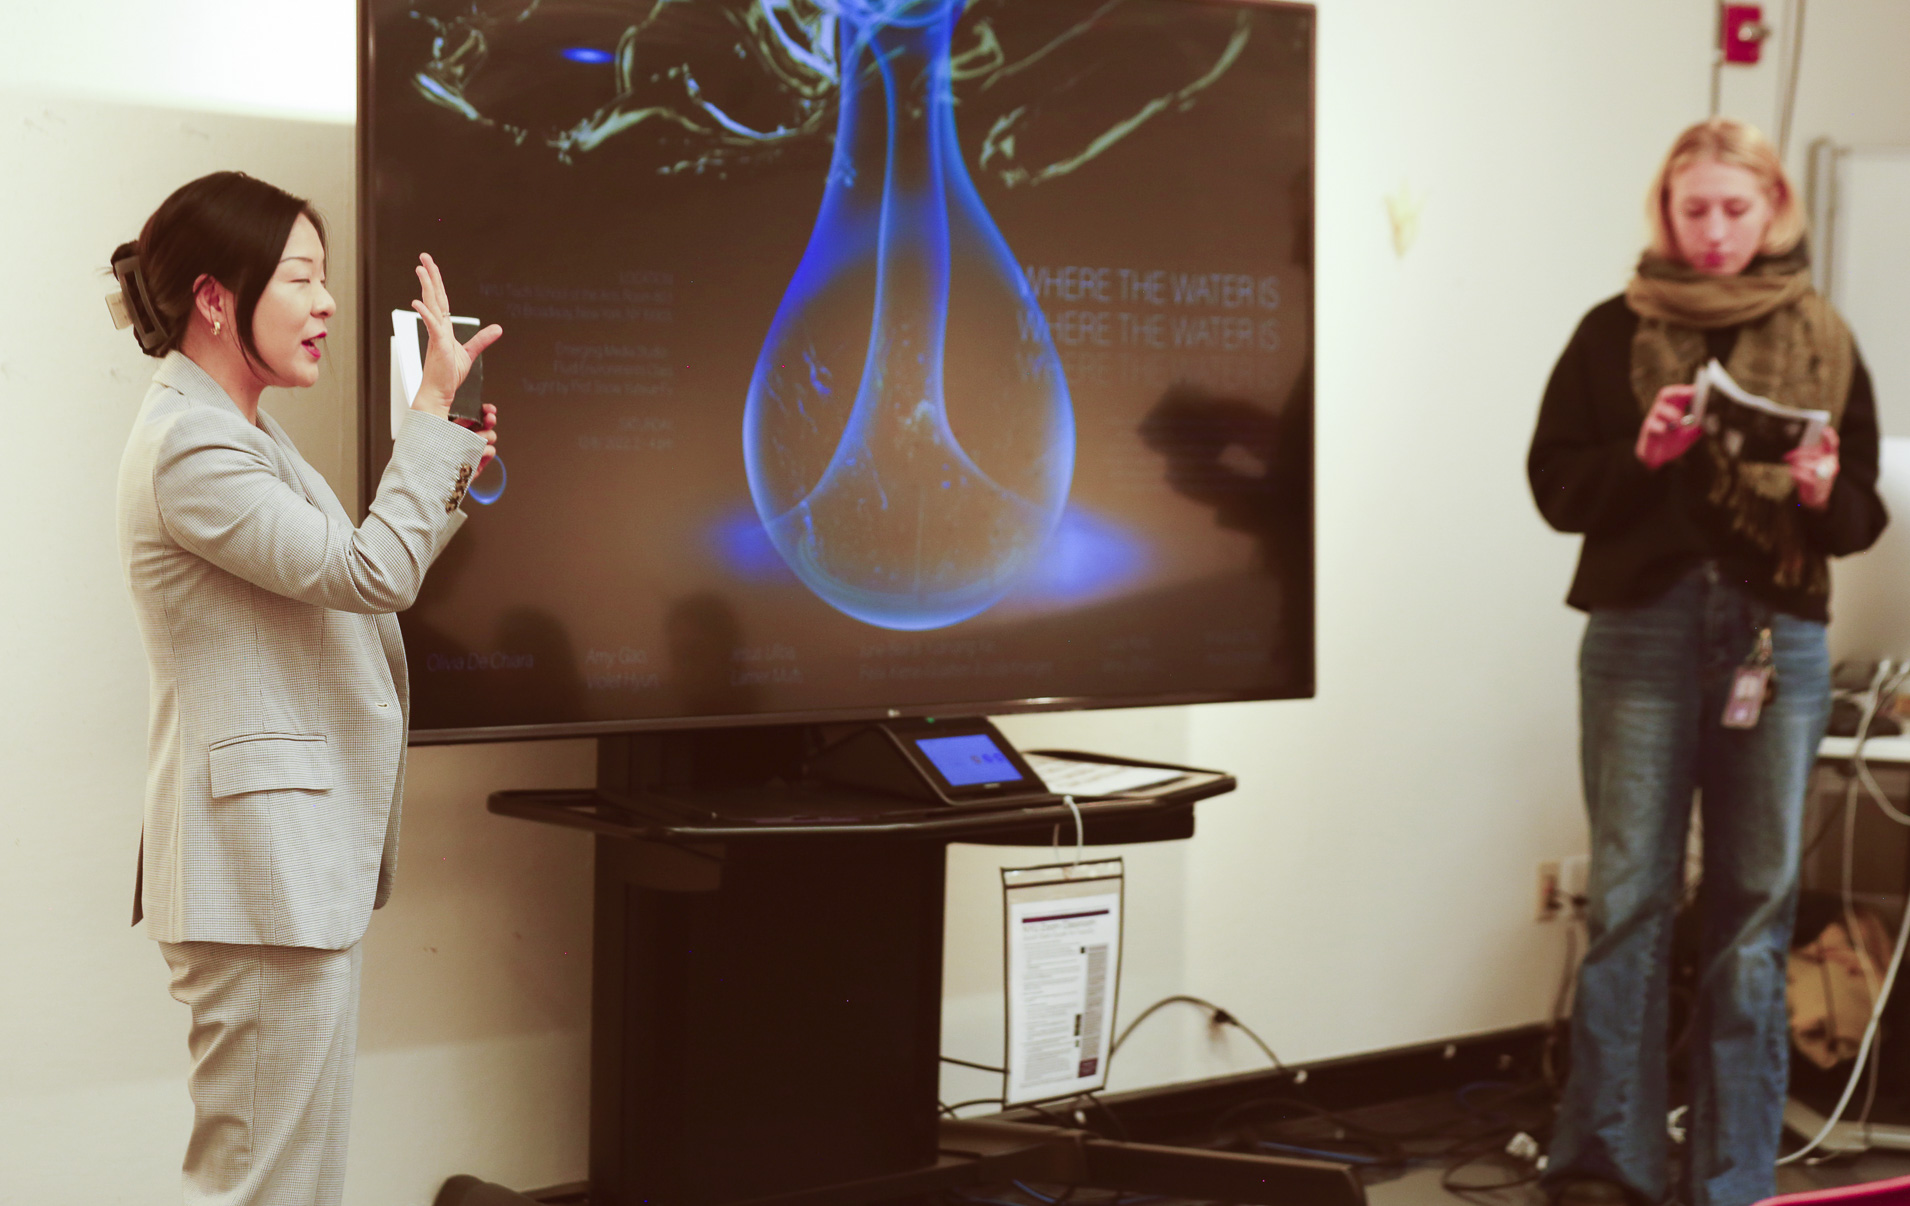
(909, 438)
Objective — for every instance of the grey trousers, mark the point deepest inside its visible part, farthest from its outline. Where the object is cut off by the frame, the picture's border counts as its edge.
(274, 1034)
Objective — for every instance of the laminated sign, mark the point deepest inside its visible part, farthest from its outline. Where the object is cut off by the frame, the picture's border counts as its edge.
(1064, 963)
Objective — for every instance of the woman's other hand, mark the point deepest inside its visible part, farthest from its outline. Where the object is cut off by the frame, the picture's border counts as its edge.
(446, 362)
(489, 432)
(1814, 469)
(1664, 436)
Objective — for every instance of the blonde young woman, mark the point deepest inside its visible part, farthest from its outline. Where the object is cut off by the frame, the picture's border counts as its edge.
(1691, 562)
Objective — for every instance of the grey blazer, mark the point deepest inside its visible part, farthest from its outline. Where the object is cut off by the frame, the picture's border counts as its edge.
(279, 701)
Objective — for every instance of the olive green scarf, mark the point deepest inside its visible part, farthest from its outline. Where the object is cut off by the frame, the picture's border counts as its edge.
(1792, 348)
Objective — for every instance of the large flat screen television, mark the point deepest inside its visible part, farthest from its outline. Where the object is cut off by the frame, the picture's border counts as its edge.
(862, 358)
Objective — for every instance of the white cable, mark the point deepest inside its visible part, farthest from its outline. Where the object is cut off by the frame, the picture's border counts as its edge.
(1863, 1049)
(1879, 691)
(1080, 832)
(1850, 893)
(1878, 688)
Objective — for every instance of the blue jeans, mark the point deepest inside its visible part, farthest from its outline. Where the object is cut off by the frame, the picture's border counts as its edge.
(1652, 686)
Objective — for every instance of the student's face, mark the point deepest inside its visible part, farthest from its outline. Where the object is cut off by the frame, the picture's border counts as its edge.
(289, 324)
(1719, 216)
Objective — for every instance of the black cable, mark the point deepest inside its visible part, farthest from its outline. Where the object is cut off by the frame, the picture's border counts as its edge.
(1054, 1118)
(1384, 1150)
(1370, 1150)
(950, 1109)
(1079, 1122)
(1375, 1155)
(1380, 1150)
(1216, 1015)
(1374, 1148)
(1343, 1121)
(1460, 1189)
(949, 1059)
(1147, 1013)
(1548, 1052)
(1120, 1128)
(1485, 1145)
(1229, 1019)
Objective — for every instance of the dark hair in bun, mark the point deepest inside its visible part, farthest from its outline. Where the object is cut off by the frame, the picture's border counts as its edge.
(228, 226)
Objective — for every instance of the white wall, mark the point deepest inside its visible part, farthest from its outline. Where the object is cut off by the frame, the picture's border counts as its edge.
(281, 58)
(473, 1040)
(1369, 885)
(1851, 84)
(1373, 883)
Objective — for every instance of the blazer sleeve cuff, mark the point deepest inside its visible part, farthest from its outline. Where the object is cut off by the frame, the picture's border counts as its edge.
(445, 457)
(429, 435)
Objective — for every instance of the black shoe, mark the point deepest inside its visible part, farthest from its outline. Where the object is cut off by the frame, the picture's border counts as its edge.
(469, 1191)
(1592, 1191)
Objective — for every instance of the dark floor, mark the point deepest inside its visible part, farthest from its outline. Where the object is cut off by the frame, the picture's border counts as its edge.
(1473, 1146)
(1435, 1151)
(1421, 1187)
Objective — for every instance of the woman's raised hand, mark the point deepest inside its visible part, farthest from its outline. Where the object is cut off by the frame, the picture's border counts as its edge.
(1664, 436)
(446, 362)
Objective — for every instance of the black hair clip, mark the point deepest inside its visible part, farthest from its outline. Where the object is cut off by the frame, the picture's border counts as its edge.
(131, 307)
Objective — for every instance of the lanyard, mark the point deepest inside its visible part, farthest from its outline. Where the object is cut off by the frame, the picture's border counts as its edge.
(1753, 685)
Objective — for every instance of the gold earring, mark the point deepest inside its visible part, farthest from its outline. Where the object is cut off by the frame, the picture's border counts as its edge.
(217, 326)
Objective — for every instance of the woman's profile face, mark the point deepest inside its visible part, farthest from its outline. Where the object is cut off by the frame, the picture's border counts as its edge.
(1719, 214)
(289, 324)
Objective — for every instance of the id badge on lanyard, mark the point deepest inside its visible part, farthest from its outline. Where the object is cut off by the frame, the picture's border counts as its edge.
(1752, 686)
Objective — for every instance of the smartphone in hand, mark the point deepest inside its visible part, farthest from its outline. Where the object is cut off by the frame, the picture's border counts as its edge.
(410, 344)
(467, 406)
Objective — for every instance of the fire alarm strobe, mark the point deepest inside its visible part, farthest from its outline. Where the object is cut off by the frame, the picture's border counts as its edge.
(1742, 32)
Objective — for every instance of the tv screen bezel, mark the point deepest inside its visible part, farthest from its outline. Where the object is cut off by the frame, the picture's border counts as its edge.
(373, 420)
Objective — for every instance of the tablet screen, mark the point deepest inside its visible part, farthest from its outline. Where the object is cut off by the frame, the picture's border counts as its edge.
(968, 759)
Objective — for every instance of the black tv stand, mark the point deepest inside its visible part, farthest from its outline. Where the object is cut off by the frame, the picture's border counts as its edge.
(767, 982)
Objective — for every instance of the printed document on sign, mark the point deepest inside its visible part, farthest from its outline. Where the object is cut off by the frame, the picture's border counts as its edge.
(1064, 963)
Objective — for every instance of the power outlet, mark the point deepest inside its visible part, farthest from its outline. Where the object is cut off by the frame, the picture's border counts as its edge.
(1575, 875)
(1551, 900)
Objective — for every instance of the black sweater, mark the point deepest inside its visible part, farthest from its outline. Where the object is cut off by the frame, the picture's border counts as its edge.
(1645, 528)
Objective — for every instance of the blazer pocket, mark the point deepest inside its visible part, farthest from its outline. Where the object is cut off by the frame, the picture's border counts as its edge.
(270, 762)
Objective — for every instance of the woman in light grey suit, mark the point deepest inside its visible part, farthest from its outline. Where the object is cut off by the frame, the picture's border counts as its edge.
(279, 696)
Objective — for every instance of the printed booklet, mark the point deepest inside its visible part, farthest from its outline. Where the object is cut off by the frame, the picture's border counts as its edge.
(1748, 427)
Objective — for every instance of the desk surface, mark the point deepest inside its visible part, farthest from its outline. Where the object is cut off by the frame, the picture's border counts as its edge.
(780, 811)
(1877, 749)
